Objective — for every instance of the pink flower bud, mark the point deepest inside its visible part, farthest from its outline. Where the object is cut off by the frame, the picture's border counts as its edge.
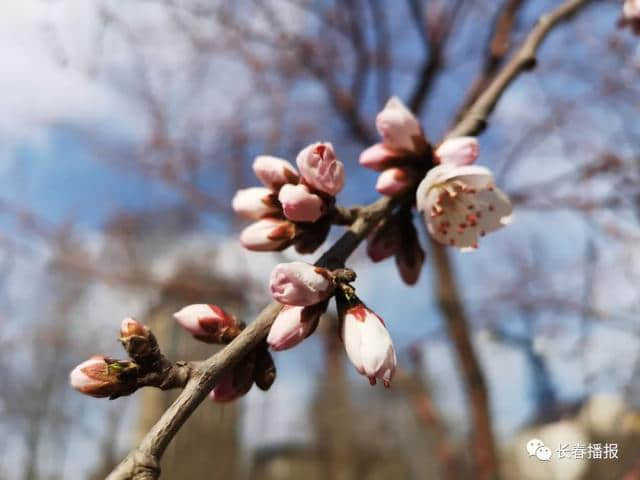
(299, 204)
(268, 234)
(255, 202)
(458, 151)
(393, 181)
(236, 381)
(208, 323)
(300, 284)
(378, 157)
(274, 172)
(292, 325)
(383, 242)
(225, 391)
(320, 169)
(367, 341)
(130, 328)
(399, 128)
(95, 377)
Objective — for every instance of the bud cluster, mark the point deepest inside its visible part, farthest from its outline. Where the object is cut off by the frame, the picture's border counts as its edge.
(404, 154)
(211, 324)
(458, 200)
(292, 207)
(305, 291)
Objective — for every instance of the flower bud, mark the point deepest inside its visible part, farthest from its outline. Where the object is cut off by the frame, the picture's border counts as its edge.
(268, 234)
(139, 342)
(130, 328)
(309, 236)
(236, 381)
(255, 203)
(366, 340)
(383, 241)
(102, 377)
(393, 181)
(299, 204)
(410, 256)
(208, 323)
(399, 128)
(265, 371)
(274, 172)
(320, 169)
(225, 391)
(300, 284)
(378, 157)
(458, 151)
(292, 325)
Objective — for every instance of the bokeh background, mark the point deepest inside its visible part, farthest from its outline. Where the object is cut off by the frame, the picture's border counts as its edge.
(127, 127)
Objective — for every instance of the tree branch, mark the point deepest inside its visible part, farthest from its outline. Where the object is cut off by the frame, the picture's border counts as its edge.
(143, 462)
(474, 120)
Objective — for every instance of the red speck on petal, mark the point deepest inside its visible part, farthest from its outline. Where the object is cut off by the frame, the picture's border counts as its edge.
(386, 383)
(491, 208)
(372, 380)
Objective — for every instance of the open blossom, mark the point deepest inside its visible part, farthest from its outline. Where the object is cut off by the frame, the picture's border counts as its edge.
(458, 151)
(299, 204)
(292, 325)
(368, 343)
(268, 234)
(393, 181)
(274, 172)
(461, 203)
(208, 323)
(300, 284)
(320, 168)
(95, 377)
(254, 202)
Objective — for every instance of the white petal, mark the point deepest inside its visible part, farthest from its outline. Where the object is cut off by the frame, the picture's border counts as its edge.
(352, 339)
(472, 175)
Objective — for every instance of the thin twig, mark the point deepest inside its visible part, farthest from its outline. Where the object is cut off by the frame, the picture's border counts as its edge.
(474, 120)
